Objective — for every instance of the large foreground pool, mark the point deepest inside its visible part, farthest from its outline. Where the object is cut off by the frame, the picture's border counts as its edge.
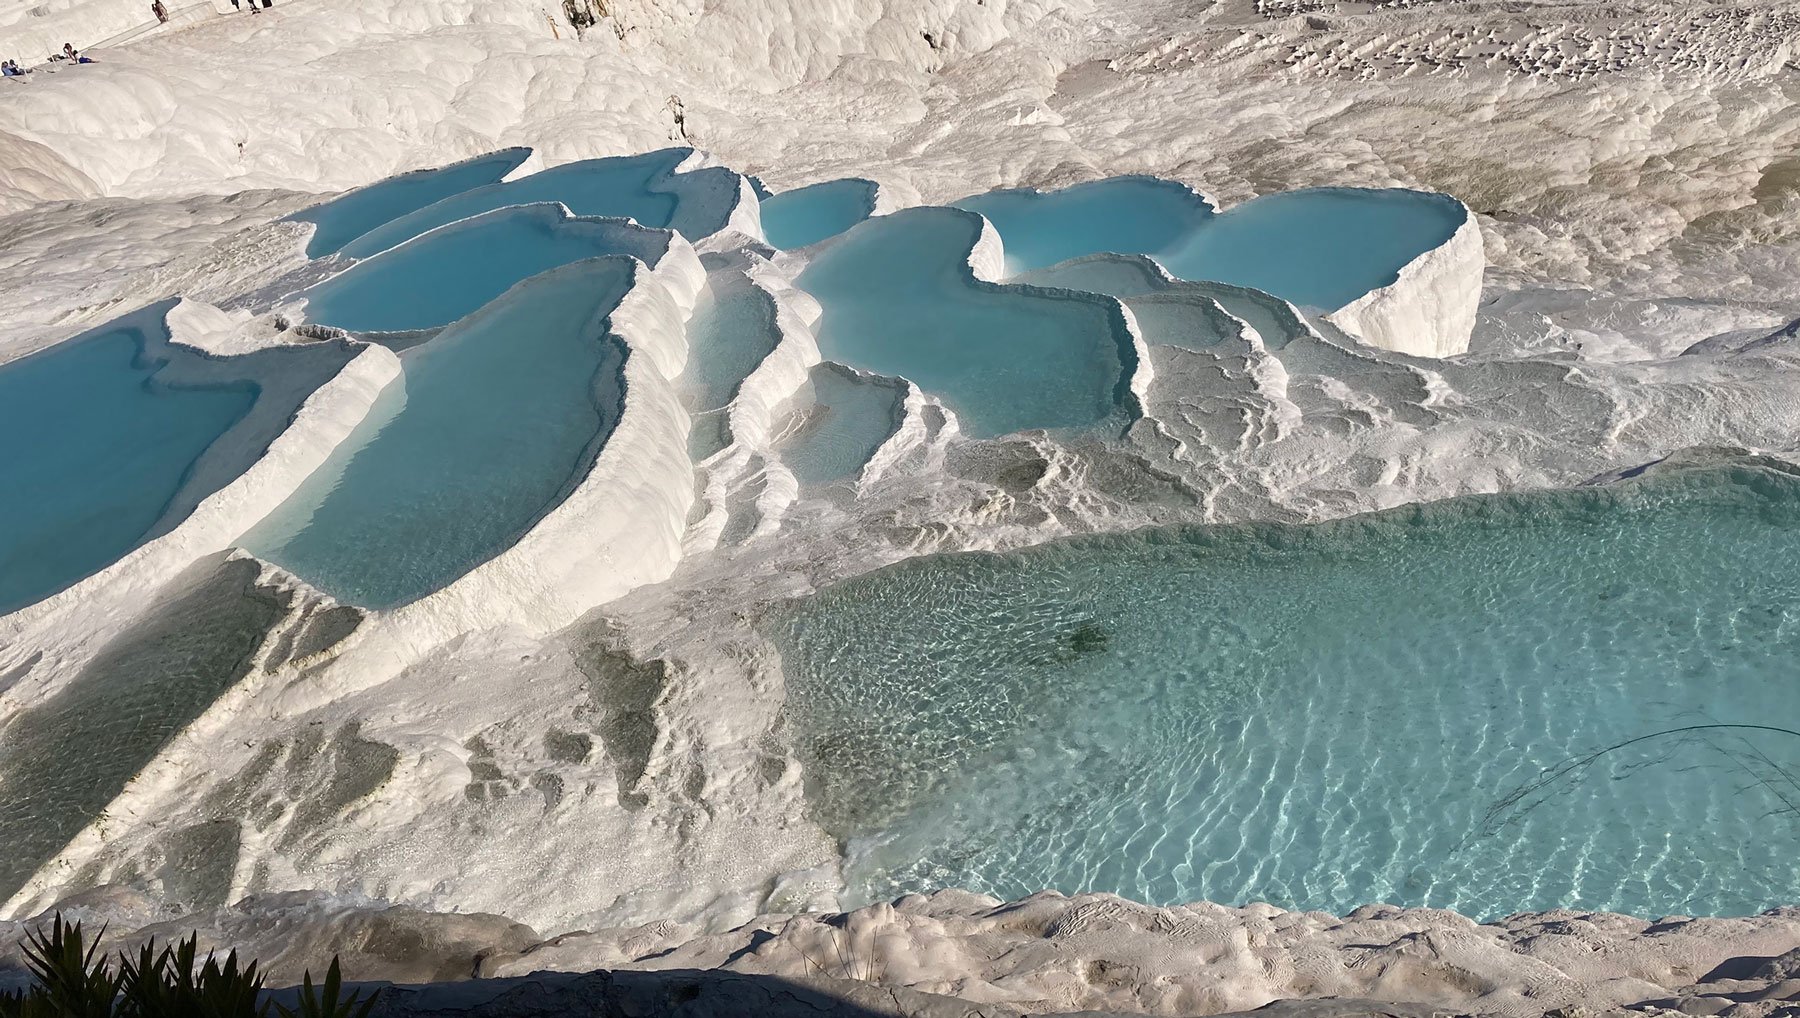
(1413, 707)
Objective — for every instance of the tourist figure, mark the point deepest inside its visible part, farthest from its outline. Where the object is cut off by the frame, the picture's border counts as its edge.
(161, 12)
(69, 52)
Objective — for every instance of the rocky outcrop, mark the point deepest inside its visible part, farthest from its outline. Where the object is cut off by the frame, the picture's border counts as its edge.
(960, 954)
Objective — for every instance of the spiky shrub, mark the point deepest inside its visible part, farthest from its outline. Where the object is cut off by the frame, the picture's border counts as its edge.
(71, 976)
(72, 979)
(330, 1003)
(174, 981)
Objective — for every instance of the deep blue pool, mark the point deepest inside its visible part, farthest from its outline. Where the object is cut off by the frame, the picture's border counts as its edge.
(94, 447)
(349, 216)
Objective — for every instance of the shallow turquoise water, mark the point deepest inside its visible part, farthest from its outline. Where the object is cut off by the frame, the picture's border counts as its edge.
(493, 421)
(850, 417)
(93, 448)
(1121, 215)
(899, 299)
(732, 330)
(1320, 248)
(807, 215)
(1331, 715)
(349, 216)
(627, 187)
(1174, 312)
(444, 276)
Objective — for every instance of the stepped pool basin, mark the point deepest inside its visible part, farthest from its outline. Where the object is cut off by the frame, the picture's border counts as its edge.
(491, 424)
(1121, 215)
(806, 215)
(1413, 707)
(350, 215)
(899, 298)
(437, 278)
(96, 443)
(1164, 307)
(732, 330)
(846, 419)
(644, 188)
(1320, 248)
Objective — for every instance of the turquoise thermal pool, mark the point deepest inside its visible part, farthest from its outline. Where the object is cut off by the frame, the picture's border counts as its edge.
(899, 299)
(95, 445)
(1319, 248)
(847, 417)
(806, 215)
(1122, 215)
(446, 274)
(349, 216)
(1413, 707)
(493, 422)
(732, 330)
(644, 188)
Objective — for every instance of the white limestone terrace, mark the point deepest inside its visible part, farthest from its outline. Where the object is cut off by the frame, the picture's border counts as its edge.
(607, 766)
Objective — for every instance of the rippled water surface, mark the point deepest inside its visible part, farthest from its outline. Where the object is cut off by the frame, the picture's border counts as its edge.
(1390, 708)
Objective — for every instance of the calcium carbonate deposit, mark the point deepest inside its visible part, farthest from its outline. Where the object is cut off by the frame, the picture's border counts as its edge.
(953, 507)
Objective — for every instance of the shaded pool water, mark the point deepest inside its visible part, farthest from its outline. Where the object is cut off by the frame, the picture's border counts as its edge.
(640, 187)
(93, 449)
(1120, 215)
(438, 278)
(900, 299)
(1413, 707)
(349, 216)
(732, 329)
(807, 215)
(491, 424)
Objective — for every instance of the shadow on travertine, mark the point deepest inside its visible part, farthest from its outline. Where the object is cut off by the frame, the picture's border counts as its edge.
(716, 994)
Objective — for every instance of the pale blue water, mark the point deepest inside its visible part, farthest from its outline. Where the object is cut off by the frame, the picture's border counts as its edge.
(1121, 215)
(93, 448)
(1319, 248)
(1326, 716)
(899, 299)
(806, 215)
(731, 331)
(349, 216)
(850, 417)
(494, 421)
(448, 274)
(1174, 312)
(636, 187)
